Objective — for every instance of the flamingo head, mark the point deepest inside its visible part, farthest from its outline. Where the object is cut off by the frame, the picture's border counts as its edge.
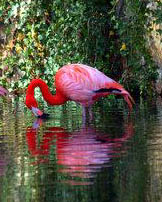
(32, 104)
(39, 114)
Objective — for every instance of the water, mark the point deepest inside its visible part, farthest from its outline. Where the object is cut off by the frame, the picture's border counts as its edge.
(114, 158)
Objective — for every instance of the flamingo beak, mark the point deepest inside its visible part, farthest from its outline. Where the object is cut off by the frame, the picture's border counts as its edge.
(37, 112)
(130, 101)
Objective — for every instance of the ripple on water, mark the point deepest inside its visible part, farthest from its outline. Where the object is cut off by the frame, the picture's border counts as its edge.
(113, 157)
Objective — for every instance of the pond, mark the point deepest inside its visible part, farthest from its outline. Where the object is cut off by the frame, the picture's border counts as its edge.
(115, 157)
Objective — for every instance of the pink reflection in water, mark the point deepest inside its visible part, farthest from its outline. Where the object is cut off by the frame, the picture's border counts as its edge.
(80, 154)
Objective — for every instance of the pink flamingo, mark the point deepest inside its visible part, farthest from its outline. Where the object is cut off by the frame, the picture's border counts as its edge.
(76, 82)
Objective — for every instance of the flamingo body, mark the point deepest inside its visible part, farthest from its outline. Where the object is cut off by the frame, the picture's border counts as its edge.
(79, 82)
(76, 82)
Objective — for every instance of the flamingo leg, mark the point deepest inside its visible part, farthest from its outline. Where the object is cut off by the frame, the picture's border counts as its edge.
(86, 110)
(90, 113)
(84, 114)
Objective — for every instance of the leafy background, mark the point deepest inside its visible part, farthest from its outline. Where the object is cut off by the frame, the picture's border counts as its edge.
(38, 37)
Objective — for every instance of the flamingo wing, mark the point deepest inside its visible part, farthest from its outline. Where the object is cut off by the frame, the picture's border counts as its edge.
(80, 82)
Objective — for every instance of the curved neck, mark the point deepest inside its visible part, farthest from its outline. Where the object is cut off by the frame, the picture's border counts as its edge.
(56, 99)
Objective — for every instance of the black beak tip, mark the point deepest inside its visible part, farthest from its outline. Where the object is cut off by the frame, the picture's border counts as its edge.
(44, 116)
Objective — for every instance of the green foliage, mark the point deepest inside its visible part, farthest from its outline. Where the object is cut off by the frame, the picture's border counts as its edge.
(44, 35)
(131, 28)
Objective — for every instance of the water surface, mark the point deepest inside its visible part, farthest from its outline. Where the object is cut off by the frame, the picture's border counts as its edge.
(113, 158)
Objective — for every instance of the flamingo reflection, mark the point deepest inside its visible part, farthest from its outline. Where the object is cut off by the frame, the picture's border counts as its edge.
(80, 153)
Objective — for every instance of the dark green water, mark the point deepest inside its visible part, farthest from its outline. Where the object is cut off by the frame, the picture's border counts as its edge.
(115, 158)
